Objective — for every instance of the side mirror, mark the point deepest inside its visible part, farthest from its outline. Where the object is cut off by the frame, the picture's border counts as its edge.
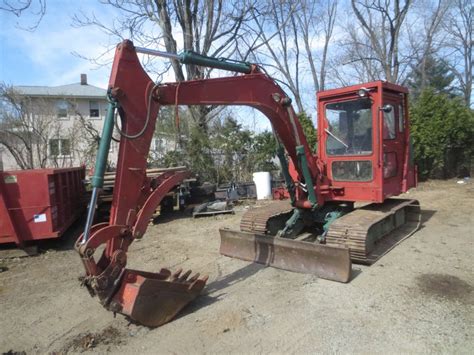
(387, 108)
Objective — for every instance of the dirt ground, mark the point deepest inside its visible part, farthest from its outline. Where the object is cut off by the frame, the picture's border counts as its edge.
(419, 298)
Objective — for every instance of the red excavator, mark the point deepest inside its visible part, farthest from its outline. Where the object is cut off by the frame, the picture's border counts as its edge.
(364, 156)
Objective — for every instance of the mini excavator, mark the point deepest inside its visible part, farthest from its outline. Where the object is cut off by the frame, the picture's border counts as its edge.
(364, 157)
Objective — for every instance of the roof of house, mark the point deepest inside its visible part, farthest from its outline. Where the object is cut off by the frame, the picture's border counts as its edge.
(76, 90)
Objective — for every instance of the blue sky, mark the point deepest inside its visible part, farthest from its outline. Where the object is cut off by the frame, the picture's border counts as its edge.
(45, 56)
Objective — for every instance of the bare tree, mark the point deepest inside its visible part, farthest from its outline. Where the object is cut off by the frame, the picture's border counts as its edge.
(460, 27)
(292, 38)
(317, 19)
(377, 44)
(25, 127)
(425, 35)
(18, 7)
(32, 133)
(281, 43)
(363, 65)
(83, 136)
(210, 27)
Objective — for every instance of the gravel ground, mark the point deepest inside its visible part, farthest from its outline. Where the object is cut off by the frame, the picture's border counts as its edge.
(419, 298)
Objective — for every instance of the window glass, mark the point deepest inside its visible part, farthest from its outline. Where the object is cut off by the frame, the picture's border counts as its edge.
(349, 129)
(58, 147)
(389, 128)
(65, 146)
(401, 117)
(389, 165)
(54, 147)
(61, 108)
(354, 170)
(93, 108)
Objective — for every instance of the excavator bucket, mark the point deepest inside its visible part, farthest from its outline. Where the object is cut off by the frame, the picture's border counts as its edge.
(331, 263)
(153, 299)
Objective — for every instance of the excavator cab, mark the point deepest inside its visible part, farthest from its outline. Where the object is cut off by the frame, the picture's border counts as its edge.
(364, 142)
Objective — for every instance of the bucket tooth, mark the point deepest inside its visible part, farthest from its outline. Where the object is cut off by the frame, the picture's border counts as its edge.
(153, 299)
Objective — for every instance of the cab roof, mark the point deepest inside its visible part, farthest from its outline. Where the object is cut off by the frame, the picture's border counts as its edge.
(379, 84)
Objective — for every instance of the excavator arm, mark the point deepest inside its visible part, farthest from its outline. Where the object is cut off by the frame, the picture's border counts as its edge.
(137, 93)
(148, 298)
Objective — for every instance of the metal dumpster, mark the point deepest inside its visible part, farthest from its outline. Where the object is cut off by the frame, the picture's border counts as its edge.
(39, 204)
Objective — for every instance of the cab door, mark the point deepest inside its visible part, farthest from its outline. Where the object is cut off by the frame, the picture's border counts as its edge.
(393, 142)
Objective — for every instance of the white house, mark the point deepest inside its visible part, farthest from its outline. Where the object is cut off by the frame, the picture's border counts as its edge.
(69, 119)
(74, 116)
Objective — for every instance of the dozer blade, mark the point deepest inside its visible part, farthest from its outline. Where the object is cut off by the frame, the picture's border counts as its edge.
(331, 263)
(154, 299)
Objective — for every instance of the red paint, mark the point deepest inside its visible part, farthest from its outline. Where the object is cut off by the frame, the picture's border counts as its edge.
(39, 204)
(380, 93)
(280, 193)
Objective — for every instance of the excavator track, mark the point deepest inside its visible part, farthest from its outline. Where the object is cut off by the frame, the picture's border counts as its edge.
(371, 231)
(267, 219)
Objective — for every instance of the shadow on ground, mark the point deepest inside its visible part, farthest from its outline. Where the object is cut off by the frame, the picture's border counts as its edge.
(426, 216)
(212, 291)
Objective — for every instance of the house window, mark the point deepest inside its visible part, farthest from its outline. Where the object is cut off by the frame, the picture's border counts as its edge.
(94, 109)
(62, 108)
(59, 147)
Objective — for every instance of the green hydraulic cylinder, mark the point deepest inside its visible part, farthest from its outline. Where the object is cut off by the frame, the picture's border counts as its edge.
(300, 153)
(190, 57)
(97, 180)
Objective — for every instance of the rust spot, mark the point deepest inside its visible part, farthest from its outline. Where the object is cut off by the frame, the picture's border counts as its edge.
(446, 287)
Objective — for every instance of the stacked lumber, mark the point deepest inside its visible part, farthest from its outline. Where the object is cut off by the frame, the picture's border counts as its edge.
(109, 177)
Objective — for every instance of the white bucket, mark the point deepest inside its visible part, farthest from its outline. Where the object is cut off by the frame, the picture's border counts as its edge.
(263, 184)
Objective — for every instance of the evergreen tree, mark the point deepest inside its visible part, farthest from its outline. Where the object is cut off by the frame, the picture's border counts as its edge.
(231, 145)
(436, 75)
(442, 128)
(263, 151)
(309, 130)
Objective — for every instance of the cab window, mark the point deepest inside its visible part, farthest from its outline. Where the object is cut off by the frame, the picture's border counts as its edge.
(401, 117)
(349, 127)
(389, 123)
